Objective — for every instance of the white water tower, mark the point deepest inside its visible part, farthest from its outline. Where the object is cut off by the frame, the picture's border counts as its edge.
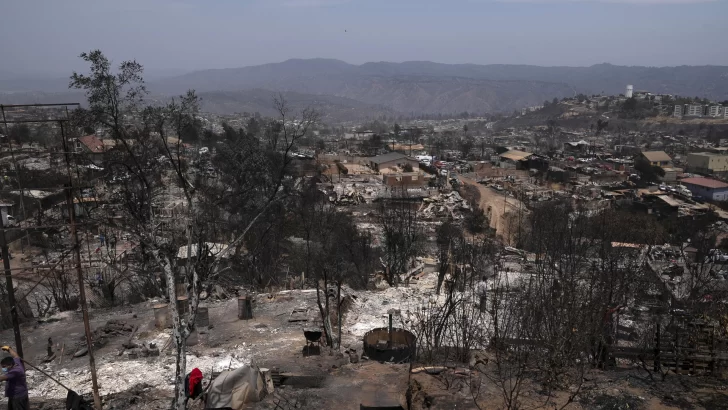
(628, 94)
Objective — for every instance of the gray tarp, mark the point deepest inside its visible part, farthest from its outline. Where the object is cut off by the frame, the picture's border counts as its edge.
(233, 388)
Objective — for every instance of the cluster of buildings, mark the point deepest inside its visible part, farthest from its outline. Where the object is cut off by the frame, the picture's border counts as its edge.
(700, 110)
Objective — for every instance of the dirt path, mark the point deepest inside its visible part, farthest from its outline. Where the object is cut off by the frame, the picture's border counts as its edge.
(496, 206)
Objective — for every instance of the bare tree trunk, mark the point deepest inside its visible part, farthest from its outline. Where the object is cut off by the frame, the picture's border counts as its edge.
(338, 312)
(181, 371)
(178, 336)
(324, 310)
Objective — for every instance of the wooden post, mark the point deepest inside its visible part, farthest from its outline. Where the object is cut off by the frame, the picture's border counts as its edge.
(245, 307)
(82, 301)
(79, 272)
(657, 348)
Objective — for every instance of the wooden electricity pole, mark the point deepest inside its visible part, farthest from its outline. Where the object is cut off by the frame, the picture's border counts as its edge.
(81, 284)
(82, 300)
(10, 289)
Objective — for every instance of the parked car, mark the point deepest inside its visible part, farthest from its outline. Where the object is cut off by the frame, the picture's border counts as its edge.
(716, 255)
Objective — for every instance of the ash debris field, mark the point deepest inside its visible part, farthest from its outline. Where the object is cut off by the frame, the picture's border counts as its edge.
(273, 338)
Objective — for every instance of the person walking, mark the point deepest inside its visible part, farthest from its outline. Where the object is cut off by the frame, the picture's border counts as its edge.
(16, 387)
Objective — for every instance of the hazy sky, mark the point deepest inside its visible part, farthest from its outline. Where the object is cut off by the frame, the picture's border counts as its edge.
(47, 35)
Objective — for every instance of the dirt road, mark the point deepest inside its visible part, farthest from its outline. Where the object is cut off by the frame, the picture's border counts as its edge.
(496, 206)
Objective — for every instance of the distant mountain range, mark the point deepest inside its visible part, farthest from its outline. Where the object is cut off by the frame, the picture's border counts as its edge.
(414, 87)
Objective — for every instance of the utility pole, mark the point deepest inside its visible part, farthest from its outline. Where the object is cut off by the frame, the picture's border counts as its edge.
(79, 273)
(82, 300)
(10, 288)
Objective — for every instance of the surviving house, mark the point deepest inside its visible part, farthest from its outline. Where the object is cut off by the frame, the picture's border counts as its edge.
(657, 158)
(92, 147)
(404, 179)
(393, 162)
(576, 147)
(707, 163)
(514, 159)
(707, 188)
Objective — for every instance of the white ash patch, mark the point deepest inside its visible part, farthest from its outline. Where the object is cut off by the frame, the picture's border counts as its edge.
(117, 374)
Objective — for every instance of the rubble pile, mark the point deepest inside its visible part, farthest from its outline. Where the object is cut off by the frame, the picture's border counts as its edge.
(352, 192)
(348, 196)
(444, 205)
(370, 309)
(101, 336)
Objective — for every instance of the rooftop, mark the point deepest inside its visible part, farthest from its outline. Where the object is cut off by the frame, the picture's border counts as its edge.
(656, 156)
(390, 156)
(92, 142)
(705, 182)
(577, 143)
(669, 200)
(515, 155)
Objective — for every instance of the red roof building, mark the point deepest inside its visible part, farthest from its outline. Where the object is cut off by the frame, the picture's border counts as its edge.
(91, 143)
(707, 188)
(705, 182)
(92, 147)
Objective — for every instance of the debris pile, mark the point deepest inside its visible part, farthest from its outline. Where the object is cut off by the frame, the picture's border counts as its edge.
(101, 335)
(444, 205)
(348, 196)
(216, 292)
(352, 193)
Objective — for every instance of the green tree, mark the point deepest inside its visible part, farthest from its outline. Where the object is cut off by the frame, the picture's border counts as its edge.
(648, 172)
(397, 129)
